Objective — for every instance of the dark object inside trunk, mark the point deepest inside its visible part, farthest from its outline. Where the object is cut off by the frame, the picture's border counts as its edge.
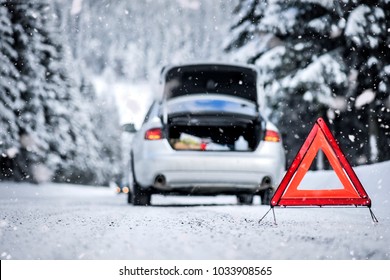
(211, 133)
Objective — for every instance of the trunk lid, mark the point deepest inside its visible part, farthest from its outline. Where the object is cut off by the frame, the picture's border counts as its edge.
(230, 80)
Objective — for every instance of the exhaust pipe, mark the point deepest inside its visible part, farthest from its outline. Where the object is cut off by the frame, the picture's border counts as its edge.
(160, 181)
(266, 181)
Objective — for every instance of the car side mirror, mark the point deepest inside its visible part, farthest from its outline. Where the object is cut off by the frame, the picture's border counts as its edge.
(129, 127)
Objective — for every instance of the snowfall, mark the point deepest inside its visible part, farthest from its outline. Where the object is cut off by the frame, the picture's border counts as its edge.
(54, 221)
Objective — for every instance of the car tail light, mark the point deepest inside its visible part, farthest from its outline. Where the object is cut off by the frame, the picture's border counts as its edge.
(271, 136)
(153, 134)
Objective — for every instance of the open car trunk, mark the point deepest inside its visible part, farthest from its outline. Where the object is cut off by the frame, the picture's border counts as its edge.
(232, 135)
(212, 108)
(213, 123)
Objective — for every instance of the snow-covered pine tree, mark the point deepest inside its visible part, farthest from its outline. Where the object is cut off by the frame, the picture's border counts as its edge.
(9, 96)
(317, 69)
(44, 118)
(84, 166)
(59, 90)
(247, 42)
(134, 39)
(366, 32)
(74, 118)
(57, 118)
(85, 160)
(104, 117)
(27, 25)
(95, 127)
(302, 70)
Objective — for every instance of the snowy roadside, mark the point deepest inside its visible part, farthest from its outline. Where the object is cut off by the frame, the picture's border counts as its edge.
(80, 222)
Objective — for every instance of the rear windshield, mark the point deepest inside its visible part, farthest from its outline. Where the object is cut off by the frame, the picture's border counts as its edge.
(222, 79)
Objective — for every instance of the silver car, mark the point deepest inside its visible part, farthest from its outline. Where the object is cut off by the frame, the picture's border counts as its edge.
(206, 136)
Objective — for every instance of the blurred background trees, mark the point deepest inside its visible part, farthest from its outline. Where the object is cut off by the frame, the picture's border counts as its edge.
(51, 119)
(321, 58)
(54, 124)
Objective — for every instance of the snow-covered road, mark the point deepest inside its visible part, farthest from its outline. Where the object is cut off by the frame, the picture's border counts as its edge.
(72, 222)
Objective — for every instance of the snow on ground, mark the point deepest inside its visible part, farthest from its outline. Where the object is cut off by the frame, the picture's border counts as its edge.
(79, 222)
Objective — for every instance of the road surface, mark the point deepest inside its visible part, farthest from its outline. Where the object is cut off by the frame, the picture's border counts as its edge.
(55, 221)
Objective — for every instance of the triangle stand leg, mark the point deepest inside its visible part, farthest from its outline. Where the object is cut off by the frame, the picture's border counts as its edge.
(373, 217)
(273, 212)
(262, 218)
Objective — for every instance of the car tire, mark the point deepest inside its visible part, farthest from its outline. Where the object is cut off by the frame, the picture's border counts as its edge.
(245, 199)
(266, 196)
(137, 196)
(140, 197)
(130, 197)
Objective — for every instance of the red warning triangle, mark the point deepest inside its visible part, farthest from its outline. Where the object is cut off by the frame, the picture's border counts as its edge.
(288, 192)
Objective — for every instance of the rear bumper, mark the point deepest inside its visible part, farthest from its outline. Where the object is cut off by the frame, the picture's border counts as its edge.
(202, 171)
(212, 182)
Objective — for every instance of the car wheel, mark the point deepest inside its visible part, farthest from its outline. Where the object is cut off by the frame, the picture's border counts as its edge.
(266, 196)
(129, 197)
(140, 197)
(137, 196)
(245, 199)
